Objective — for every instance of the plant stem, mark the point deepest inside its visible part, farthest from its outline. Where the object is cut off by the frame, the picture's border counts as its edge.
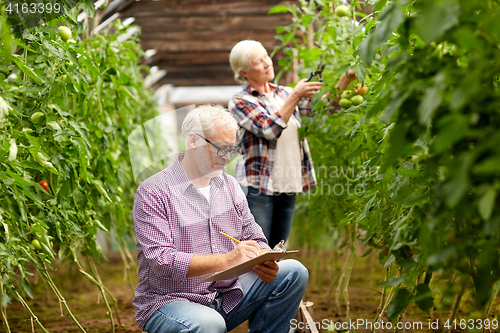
(100, 285)
(496, 289)
(339, 286)
(382, 299)
(456, 303)
(126, 266)
(35, 319)
(45, 274)
(4, 317)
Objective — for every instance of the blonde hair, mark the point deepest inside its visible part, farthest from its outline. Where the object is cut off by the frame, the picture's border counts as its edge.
(202, 120)
(238, 58)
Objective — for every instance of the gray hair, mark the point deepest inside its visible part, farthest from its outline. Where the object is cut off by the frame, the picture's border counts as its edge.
(202, 120)
(238, 58)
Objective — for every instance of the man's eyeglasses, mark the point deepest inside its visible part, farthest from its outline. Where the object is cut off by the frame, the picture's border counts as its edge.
(222, 151)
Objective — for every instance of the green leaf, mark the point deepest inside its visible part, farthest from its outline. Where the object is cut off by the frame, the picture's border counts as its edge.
(436, 18)
(98, 224)
(389, 261)
(53, 49)
(47, 29)
(101, 189)
(6, 298)
(88, 7)
(393, 281)
(84, 156)
(451, 129)
(431, 100)
(380, 4)
(20, 180)
(400, 302)
(390, 18)
(278, 9)
(24, 46)
(90, 66)
(489, 166)
(26, 70)
(408, 172)
(441, 256)
(454, 188)
(27, 287)
(487, 203)
(424, 298)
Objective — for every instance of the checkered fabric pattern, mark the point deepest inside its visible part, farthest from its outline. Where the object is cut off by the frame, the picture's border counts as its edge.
(173, 221)
(262, 126)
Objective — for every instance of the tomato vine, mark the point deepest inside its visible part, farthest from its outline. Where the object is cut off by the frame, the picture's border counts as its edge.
(66, 110)
(422, 147)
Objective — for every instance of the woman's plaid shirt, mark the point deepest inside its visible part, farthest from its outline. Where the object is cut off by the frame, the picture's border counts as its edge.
(261, 127)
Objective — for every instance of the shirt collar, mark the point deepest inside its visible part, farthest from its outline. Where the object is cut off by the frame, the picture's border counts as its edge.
(254, 92)
(183, 179)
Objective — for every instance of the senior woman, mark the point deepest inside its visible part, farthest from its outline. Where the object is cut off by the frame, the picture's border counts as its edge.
(275, 164)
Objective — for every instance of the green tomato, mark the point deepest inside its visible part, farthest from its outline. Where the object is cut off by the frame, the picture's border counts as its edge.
(356, 100)
(341, 11)
(30, 103)
(345, 103)
(36, 117)
(347, 94)
(36, 244)
(65, 33)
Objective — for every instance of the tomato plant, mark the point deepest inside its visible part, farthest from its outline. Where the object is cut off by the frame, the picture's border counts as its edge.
(422, 147)
(66, 110)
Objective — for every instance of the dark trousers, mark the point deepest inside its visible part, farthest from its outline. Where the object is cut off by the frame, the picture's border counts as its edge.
(274, 213)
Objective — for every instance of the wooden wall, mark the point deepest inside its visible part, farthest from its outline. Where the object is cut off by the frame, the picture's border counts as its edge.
(193, 38)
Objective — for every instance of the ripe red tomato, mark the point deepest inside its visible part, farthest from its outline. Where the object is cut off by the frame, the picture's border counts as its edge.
(44, 184)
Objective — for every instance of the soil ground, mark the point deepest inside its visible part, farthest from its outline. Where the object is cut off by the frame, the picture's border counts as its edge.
(85, 301)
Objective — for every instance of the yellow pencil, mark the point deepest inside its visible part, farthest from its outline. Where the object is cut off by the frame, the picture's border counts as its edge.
(224, 234)
(237, 241)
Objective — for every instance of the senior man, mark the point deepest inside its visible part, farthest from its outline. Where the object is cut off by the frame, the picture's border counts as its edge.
(178, 216)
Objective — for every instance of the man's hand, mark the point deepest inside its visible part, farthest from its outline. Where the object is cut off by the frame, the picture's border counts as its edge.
(243, 251)
(267, 271)
(202, 264)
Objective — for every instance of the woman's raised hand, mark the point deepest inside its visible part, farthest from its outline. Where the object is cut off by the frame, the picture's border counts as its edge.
(305, 89)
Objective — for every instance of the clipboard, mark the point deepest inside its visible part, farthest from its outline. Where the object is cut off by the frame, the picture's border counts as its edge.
(246, 266)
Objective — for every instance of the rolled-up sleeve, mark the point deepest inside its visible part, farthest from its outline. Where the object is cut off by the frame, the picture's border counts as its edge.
(154, 237)
(256, 119)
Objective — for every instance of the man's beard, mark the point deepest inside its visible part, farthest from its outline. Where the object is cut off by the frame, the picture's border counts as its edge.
(204, 163)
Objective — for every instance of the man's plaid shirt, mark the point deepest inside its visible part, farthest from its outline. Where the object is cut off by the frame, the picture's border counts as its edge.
(262, 126)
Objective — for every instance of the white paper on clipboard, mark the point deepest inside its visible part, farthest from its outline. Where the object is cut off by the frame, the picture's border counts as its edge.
(246, 266)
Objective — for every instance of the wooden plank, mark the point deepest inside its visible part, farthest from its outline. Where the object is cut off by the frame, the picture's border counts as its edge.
(181, 36)
(213, 10)
(219, 23)
(165, 58)
(169, 7)
(214, 71)
(308, 318)
(197, 45)
(200, 81)
(193, 38)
